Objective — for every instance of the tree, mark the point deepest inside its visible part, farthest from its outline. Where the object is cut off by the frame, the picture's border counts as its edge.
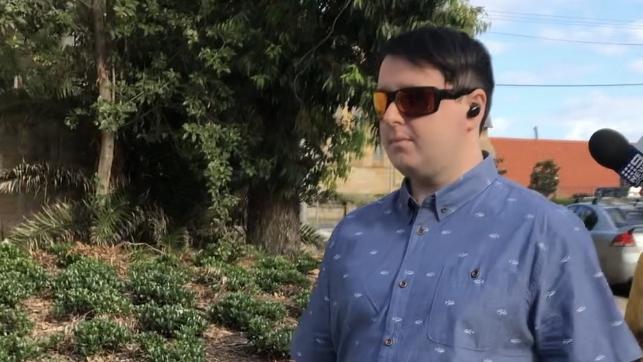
(61, 55)
(499, 161)
(544, 177)
(227, 89)
(295, 74)
(105, 90)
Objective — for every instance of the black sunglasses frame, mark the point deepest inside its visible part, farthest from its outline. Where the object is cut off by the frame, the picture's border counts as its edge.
(440, 94)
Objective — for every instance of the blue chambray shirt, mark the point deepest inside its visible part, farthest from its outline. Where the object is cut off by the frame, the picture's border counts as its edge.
(484, 270)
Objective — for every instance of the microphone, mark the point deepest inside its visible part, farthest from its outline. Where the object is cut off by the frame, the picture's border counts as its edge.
(612, 150)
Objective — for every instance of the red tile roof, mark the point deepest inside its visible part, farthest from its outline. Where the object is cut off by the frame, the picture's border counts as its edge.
(579, 173)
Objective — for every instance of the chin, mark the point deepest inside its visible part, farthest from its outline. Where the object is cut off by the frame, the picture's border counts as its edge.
(405, 166)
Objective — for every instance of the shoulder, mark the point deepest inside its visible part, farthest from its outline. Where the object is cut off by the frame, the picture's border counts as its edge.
(543, 210)
(553, 225)
(523, 196)
(364, 217)
(376, 208)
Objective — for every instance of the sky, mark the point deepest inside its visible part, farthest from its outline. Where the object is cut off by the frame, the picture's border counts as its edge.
(565, 113)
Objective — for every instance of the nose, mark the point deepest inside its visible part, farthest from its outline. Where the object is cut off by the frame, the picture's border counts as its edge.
(392, 115)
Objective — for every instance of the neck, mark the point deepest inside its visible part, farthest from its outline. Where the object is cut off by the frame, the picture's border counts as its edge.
(423, 187)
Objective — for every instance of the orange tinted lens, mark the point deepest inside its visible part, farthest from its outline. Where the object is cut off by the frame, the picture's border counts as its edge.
(380, 101)
(415, 102)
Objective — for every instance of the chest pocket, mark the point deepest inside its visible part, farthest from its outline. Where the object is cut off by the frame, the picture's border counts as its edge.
(477, 309)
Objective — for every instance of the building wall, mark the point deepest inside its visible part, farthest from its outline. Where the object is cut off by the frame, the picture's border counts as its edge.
(34, 140)
(373, 174)
(579, 173)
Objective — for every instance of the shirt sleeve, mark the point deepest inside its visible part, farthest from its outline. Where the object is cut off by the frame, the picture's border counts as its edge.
(312, 340)
(575, 317)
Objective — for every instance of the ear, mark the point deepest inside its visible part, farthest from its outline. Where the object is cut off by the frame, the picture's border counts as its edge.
(476, 100)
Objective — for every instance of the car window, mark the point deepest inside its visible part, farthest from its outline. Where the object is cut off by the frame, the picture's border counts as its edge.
(576, 210)
(625, 217)
(591, 219)
(588, 216)
(633, 217)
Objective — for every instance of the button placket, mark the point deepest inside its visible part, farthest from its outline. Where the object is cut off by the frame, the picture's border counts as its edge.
(421, 230)
(399, 297)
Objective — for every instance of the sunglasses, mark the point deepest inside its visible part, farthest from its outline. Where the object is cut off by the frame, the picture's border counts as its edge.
(414, 101)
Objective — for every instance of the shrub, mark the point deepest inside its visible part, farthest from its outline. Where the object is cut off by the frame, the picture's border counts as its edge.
(563, 201)
(99, 335)
(210, 275)
(301, 299)
(275, 271)
(9, 251)
(239, 279)
(227, 249)
(15, 348)
(88, 286)
(237, 309)
(232, 278)
(258, 319)
(64, 254)
(267, 339)
(14, 322)
(157, 349)
(306, 263)
(171, 320)
(52, 342)
(20, 276)
(160, 282)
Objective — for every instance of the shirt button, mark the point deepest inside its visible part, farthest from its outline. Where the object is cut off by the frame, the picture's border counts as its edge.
(403, 284)
(422, 230)
(475, 274)
(388, 342)
(444, 210)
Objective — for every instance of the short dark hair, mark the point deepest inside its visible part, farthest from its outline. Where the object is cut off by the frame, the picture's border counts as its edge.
(463, 61)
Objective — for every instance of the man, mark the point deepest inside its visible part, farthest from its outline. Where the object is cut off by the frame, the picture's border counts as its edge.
(634, 309)
(459, 264)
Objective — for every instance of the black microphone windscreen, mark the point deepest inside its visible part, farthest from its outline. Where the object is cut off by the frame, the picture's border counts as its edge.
(610, 149)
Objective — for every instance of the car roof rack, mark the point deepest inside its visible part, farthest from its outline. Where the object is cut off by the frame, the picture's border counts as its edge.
(610, 200)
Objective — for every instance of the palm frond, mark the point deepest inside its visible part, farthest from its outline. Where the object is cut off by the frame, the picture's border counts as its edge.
(115, 219)
(310, 236)
(42, 178)
(54, 223)
(155, 225)
(112, 219)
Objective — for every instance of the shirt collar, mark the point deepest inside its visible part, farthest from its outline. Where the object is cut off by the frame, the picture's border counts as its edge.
(451, 197)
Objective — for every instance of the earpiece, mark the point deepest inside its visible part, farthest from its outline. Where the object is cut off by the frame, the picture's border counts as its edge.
(474, 110)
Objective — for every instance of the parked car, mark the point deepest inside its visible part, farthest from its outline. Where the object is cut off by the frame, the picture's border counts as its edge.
(619, 192)
(616, 226)
(635, 192)
(611, 191)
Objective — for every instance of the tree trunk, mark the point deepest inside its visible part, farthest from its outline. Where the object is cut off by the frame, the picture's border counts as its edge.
(273, 221)
(106, 157)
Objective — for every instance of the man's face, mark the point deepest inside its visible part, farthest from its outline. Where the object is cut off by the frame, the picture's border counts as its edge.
(422, 146)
